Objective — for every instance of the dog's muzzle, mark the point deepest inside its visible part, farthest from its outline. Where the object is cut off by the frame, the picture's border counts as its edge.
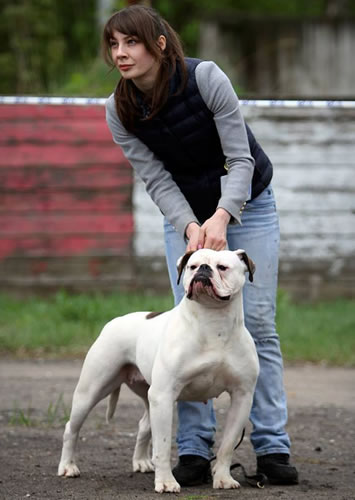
(201, 282)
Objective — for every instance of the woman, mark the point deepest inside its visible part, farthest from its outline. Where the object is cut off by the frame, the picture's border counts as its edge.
(178, 122)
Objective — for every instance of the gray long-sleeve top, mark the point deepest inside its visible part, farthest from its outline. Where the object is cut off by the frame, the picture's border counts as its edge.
(217, 92)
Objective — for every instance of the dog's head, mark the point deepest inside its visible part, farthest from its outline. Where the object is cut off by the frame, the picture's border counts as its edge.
(214, 275)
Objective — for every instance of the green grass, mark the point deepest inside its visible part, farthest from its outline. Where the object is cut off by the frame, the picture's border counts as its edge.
(57, 414)
(65, 325)
(320, 332)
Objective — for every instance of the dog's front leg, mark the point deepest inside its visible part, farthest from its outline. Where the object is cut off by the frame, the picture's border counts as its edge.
(237, 417)
(161, 416)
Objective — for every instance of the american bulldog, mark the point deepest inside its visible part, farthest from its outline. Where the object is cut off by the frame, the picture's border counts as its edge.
(193, 352)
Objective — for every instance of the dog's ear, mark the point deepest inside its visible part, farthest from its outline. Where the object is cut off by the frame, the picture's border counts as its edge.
(248, 262)
(181, 264)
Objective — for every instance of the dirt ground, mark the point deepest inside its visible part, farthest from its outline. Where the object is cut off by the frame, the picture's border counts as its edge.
(35, 398)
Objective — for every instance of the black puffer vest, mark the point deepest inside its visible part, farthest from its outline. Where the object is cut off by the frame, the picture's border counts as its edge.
(184, 137)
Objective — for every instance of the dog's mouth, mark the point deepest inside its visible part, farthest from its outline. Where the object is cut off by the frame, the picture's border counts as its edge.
(202, 285)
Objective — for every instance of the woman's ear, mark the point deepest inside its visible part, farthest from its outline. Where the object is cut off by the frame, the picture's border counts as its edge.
(161, 42)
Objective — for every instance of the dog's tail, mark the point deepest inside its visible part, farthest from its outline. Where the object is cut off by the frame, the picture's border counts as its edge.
(112, 403)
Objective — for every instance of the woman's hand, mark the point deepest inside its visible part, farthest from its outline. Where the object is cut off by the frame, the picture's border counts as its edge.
(212, 234)
(215, 230)
(195, 237)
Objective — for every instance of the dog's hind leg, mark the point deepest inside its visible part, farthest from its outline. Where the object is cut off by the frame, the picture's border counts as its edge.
(90, 390)
(142, 461)
(80, 410)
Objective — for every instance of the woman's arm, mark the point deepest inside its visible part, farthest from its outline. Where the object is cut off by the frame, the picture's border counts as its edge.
(219, 96)
(158, 181)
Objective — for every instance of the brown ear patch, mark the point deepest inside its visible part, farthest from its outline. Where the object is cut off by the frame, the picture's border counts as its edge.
(182, 264)
(249, 263)
(153, 314)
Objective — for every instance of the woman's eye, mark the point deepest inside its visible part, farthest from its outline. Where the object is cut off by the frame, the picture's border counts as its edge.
(131, 41)
(222, 268)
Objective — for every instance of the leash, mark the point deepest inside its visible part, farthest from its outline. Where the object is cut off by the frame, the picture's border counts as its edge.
(256, 480)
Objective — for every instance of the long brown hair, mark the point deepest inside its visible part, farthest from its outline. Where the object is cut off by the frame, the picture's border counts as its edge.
(147, 25)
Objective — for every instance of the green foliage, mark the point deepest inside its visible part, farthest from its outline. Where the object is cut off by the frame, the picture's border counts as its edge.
(41, 40)
(31, 34)
(52, 47)
(93, 80)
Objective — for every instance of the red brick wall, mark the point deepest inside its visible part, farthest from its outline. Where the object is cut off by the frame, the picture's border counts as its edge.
(65, 197)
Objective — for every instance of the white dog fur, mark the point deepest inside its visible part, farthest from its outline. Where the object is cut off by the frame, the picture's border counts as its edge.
(193, 352)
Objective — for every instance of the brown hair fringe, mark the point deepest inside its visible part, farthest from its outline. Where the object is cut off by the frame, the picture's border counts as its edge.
(147, 25)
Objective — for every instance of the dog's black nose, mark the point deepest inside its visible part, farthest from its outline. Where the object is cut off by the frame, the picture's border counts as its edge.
(205, 267)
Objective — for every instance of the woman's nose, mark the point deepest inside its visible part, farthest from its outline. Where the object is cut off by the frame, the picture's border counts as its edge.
(120, 52)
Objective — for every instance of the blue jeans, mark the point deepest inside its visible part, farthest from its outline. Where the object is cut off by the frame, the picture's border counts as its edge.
(259, 236)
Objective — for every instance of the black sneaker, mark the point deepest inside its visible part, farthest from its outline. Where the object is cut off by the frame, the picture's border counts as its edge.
(277, 468)
(192, 470)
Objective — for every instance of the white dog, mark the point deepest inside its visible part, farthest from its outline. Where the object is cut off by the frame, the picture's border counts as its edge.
(193, 352)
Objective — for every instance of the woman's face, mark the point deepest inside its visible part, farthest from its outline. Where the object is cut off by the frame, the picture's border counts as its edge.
(133, 60)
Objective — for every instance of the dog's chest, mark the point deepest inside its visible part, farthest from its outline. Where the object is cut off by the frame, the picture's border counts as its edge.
(210, 380)
(202, 388)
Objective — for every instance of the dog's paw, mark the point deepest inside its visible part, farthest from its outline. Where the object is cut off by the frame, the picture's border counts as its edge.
(225, 482)
(143, 465)
(68, 470)
(168, 486)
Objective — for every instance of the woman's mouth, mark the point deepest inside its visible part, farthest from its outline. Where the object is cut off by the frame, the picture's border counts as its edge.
(125, 67)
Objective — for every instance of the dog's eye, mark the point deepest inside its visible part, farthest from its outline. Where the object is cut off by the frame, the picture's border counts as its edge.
(222, 268)
(193, 267)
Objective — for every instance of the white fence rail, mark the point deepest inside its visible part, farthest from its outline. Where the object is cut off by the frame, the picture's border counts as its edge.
(259, 103)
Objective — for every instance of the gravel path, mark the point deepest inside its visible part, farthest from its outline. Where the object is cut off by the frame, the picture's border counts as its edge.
(35, 398)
